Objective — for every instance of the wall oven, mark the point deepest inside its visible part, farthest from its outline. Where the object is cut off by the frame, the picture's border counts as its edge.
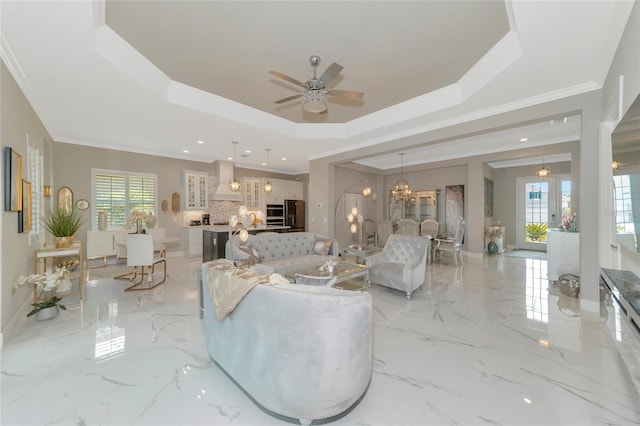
(275, 215)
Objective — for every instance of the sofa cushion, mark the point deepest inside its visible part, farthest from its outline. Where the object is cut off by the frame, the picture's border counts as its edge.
(321, 246)
(274, 246)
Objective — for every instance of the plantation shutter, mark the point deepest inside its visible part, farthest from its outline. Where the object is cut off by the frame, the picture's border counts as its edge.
(111, 195)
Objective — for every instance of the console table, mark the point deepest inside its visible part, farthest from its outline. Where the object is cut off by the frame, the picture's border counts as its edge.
(625, 287)
(52, 253)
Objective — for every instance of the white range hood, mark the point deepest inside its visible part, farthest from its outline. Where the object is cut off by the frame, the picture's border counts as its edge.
(224, 173)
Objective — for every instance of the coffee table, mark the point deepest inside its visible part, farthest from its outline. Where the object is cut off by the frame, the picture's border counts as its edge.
(360, 252)
(349, 276)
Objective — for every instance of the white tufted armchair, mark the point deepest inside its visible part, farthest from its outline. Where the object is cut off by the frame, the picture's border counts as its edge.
(401, 264)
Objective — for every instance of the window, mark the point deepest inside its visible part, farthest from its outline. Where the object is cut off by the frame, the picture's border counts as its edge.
(119, 193)
(35, 171)
(623, 204)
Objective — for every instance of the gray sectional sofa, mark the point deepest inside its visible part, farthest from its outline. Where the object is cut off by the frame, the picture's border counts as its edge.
(283, 252)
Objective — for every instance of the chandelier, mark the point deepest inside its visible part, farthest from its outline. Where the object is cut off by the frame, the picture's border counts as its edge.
(234, 184)
(544, 171)
(615, 164)
(401, 193)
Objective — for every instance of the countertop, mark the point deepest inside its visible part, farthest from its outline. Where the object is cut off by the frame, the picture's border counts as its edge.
(227, 228)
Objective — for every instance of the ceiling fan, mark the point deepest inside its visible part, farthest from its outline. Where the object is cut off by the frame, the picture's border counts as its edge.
(314, 98)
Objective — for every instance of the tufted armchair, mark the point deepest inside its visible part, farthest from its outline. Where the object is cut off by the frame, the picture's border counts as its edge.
(401, 264)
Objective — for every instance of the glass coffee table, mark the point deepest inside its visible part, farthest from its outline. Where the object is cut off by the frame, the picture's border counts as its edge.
(349, 276)
(360, 252)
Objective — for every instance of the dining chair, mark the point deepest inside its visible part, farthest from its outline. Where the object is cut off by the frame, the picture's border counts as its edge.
(140, 254)
(370, 231)
(408, 227)
(385, 229)
(429, 228)
(453, 246)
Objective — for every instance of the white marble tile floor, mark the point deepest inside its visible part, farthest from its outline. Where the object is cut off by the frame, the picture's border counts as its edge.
(485, 343)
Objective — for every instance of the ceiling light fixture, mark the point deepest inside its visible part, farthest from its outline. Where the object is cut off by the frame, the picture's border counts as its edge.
(401, 193)
(543, 172)
(267, 186)
(234, 184)
(314, 101)
(615, 164)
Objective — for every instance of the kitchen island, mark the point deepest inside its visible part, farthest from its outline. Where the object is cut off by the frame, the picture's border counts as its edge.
(209, 241)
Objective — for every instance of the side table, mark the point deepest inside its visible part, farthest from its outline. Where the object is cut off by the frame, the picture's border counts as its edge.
(52, 253)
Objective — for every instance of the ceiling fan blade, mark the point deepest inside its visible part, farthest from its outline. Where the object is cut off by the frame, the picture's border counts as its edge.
(330, 73)
(287, 78)
(349, 94)
(287, 99)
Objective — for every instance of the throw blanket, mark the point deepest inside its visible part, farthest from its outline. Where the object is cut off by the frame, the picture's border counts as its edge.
(227, 289)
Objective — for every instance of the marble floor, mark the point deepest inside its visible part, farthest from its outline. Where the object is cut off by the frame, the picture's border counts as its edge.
(487, 343)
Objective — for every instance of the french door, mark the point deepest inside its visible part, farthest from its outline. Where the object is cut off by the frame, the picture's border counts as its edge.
(542, 204)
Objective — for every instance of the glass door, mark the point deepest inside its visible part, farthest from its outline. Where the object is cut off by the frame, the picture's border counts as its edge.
(542, 204)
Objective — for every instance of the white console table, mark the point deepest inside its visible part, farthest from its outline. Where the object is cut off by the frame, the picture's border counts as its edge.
(563, 254)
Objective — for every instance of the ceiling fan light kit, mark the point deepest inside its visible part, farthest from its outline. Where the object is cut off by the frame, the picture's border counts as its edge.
(314, 98)
(314, 101)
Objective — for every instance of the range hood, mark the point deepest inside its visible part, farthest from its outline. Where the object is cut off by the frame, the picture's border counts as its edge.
(224, 173)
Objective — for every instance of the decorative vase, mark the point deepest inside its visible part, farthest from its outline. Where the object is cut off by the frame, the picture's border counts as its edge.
(139, 226)
(492, 247)
(47, 313)
(103, 221)
(63, 242)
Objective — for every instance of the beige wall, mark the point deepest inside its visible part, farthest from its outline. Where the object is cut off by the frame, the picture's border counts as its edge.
(18, 121)
(73, 164)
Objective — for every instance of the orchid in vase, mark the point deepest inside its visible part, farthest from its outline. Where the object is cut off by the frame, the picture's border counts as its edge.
(47, 284)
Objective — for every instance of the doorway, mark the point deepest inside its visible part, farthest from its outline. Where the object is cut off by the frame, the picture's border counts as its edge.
(542, 204)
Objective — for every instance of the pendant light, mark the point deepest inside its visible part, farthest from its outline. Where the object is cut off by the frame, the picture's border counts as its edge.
(267, 186)
(234, 184)
(401, 192)
(543, 172)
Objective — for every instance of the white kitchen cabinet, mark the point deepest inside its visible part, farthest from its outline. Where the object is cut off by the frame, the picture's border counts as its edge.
(193, 240)
(283, 190)
(294, 190)
(275, 196)
(196, 190)
(251, 193)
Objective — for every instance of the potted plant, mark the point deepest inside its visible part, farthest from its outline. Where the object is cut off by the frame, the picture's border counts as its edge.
(63, 224)
(46, 284)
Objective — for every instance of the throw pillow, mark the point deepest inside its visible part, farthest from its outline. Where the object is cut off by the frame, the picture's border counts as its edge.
(322, 246)
(252, 252)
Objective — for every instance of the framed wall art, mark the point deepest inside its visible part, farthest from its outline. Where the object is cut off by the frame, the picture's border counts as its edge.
(12, 180)
(488, 197)
(24, 216)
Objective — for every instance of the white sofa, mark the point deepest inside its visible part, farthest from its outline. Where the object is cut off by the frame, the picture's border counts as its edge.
(284, 252)
(300, 351)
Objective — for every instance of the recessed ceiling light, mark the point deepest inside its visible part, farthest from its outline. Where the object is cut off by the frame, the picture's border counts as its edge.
(229, 158)
(200, 142)
(186, 151)
(284, 158)
(248, 151)
(524, 139)
(264, 164)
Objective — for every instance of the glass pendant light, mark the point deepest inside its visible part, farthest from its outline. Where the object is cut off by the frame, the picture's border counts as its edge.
(234, 184)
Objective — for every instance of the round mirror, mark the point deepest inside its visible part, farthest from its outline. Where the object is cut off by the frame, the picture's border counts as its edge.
(65, 199)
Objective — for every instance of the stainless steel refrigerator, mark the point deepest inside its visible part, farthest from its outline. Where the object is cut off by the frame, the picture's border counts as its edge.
(294, 212)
